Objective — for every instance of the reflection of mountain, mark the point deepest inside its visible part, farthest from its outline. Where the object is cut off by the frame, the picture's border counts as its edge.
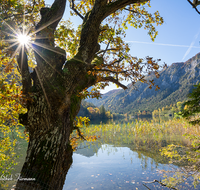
(88, 149)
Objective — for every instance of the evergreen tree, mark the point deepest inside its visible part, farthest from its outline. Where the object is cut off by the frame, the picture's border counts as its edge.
(192, 106)
(102, 112)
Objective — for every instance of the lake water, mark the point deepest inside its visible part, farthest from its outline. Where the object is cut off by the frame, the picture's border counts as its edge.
(105, 165)
(112, 168)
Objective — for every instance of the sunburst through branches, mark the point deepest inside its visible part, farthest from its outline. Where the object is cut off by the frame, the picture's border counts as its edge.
(21, 35)
(23, 39)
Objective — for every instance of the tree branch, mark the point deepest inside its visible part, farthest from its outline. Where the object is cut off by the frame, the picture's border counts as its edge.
(130, 10)
(22, 61)
(116, 61)
(194, 6)
(91, 26)
(73, 8)
(159, 183)
(51, 17)
(111, 79)
(107, 70)
(105, 50)
(79, 133)
(114, 6)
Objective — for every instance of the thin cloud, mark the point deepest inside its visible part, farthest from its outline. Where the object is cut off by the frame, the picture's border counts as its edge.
(162, 44)
(191, 45)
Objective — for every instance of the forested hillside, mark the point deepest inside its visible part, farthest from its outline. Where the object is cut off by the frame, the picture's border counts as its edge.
(175, 82)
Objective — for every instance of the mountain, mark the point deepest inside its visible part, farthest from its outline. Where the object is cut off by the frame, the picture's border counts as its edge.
(175, 82)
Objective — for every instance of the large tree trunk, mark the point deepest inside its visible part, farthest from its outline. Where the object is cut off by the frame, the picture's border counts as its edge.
(52, 107)
(49, 154)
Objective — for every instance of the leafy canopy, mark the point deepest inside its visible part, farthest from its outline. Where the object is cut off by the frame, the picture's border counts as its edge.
(113, 62)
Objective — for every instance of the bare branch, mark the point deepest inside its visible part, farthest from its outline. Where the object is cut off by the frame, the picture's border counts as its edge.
(79, 133)
(73, 8)
(194, 6)
(111, 79)
(130, 10)
(105, 50)
(159, 183)
(107, 45)
(116, 61)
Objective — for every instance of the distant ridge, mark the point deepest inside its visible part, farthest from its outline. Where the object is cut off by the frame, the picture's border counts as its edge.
(111, 92)
(175, 82)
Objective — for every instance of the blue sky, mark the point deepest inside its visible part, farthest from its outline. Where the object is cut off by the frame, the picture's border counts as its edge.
(178, 38)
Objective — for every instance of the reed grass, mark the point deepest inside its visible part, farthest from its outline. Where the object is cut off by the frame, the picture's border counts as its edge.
(146, 133)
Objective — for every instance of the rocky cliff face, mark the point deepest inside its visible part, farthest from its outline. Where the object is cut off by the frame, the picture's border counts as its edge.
(175, 82)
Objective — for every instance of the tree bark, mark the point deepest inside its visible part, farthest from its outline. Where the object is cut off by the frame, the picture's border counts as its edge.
(49, 154)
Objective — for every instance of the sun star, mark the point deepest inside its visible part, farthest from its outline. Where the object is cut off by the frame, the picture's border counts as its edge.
(23, 39)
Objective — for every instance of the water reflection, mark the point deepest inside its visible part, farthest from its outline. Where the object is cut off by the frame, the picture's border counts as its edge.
(112, 167)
